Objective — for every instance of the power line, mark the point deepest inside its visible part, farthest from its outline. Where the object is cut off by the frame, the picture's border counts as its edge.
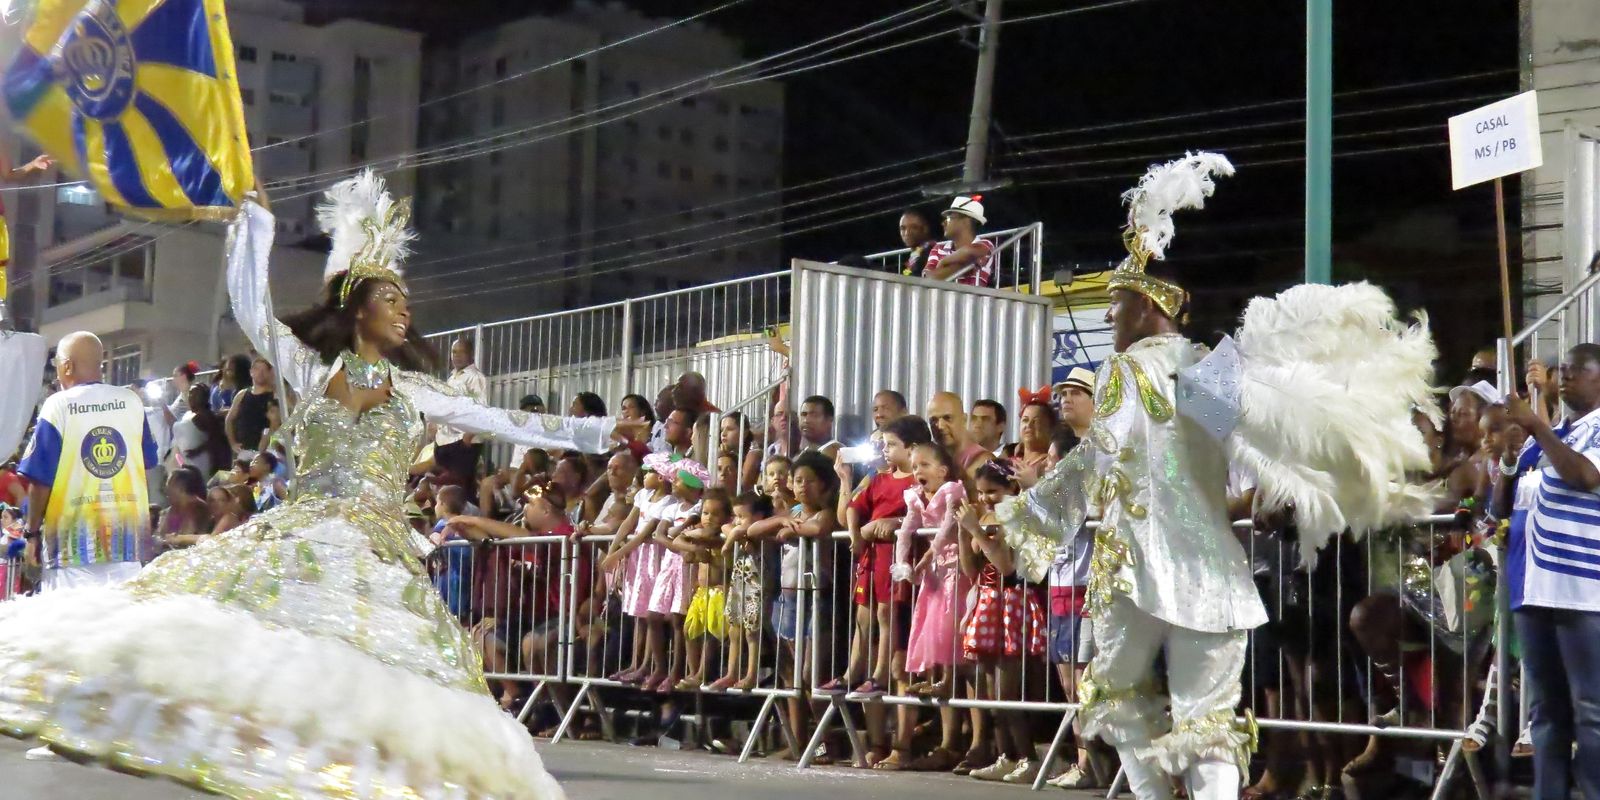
(438, 153)
(1224, 149)
(1123, 176)
(587, 267)
(854, 190)
(680, 257)
(515, 76)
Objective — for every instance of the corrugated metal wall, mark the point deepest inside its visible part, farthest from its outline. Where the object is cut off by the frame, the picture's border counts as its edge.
(856, 332)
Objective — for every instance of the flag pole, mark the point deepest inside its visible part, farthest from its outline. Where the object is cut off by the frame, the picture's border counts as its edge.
(285, 429)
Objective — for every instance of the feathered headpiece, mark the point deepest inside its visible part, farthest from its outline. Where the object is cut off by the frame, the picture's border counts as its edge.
(370, 231)
(1169, 187)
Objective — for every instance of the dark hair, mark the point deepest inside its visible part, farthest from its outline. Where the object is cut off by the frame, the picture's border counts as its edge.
(927, 219)
(541, 460)
(1064, 438)
(821, 466)
(238, 370)
(998, 474)
(1480, 374)
(591, 404)
(638, 400)
(554, 495)
(690, 416)
(720, 495)
(451, 499)
(1584, 352)
(819, 400)
(270, 457)
(994, 405)
(760, 504)
(951, 471)
(189, 369)
(1049, 412)
(210, 424)
(775, 458)
(189, 480)
(910, 429)
(242, 464)
(240, 494)
(531, 400)
(899, 398)
(330, 327)
(578, 462)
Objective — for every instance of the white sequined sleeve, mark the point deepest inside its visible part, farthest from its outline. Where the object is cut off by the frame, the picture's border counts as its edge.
(445, 406)
(249, 251)
(1039, 520)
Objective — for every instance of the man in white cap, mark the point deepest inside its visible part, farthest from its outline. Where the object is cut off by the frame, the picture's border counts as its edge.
(962, 256)
(1074, 398)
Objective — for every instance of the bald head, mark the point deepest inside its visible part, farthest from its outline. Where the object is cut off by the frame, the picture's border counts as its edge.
(78, 357)
(948, 418)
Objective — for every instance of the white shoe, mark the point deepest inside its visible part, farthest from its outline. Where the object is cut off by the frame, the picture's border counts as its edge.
(1074, 779)
(42, 753)
(996, 771)
(1027, 770)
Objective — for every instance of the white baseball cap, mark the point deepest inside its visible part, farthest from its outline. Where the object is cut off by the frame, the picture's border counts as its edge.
(969, 207)
(1483, 389)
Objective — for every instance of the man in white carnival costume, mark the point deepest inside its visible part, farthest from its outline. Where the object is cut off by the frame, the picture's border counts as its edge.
(1168, 574)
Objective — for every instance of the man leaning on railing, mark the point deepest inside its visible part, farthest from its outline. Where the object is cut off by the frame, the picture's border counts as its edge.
(1553, 564)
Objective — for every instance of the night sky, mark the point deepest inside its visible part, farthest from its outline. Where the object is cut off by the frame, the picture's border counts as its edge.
(1396, 221)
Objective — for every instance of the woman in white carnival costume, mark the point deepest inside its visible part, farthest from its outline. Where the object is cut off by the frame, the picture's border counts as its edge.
(304, 654)
(1170, 418)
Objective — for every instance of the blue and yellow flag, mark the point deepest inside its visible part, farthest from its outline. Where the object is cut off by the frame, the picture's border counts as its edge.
(141, 98)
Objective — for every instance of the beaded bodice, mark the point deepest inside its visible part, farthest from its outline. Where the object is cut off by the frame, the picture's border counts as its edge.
(341, 454)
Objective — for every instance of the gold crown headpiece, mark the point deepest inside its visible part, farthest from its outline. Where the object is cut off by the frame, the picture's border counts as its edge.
(370, 231)
(1169, 187)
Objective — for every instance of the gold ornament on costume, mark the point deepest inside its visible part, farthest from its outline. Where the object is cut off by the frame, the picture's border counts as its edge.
(1180, 184)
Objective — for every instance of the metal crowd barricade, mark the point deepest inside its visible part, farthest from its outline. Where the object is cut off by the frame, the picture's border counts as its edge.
(10, 578)
(1435, 578)
(511, 595)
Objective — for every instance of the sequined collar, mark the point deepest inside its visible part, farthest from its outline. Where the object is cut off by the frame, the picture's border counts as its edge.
(1153, 341)
(362, 375)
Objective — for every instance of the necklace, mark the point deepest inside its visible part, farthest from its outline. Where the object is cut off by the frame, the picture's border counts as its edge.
(362, 375)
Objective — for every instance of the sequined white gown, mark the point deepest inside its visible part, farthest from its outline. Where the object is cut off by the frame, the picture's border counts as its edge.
(304, 654)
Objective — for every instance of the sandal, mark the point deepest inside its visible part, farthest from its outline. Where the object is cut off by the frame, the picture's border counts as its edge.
(973, 759)
(745, 685)
(835, 686)
(870, 689)
(898, 760)
(687, 685)
(720, 685)
(877, 755)
(920, 689)
(939, 759)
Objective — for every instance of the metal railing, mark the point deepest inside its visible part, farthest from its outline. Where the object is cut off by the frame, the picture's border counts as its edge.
(1018, 259)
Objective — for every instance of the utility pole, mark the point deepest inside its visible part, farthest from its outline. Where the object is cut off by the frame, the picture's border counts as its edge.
(975, 172)
(1319, 141)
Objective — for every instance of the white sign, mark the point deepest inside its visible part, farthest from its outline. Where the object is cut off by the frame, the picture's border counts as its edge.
(1496, 140)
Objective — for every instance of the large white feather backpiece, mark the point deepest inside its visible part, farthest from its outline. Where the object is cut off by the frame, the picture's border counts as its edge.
(370, 230)
(1329, 381)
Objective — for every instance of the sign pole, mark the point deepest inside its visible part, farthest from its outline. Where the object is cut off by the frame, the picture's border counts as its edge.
(1505, 285)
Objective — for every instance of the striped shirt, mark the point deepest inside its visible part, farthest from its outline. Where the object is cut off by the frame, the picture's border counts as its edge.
(979, 274)
(1555, 562)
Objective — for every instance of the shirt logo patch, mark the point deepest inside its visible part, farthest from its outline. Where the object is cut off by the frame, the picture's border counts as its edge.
(103, 452)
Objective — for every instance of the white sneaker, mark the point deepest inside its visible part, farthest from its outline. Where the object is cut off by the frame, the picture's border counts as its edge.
(996, 771)
(1027, 770)
(1073, 779)
(42, 753)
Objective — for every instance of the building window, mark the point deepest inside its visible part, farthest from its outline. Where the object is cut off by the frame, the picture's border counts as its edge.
(629, 204)
(500, 67)
(247, 54)
(686, 136)
(747, 111)
(280, 98)
(248, 96)
(360, 108)
(494, 159)
(123, 364)
(723, 108)
(284, 57)
(720, 144)
(272, 140)
(497, 111)
(688, 102)
(494, 189)
(630, 165)
(78, 195)
(663, 170)
(633, 88)
(632, 127)
(685, 173)
(665, 133)
(719, 180)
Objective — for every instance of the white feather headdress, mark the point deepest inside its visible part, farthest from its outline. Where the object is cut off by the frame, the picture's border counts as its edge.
(370, 230)
(1173, 186)
(1166, 188)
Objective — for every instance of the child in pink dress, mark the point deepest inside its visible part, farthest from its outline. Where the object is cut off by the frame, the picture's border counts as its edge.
(942, 589)
(643, 560)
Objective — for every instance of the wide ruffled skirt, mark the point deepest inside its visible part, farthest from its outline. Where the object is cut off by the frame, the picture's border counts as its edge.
(286, 658)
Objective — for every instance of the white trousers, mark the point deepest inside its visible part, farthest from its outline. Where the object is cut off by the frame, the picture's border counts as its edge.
(1123, 706)
(88, 575)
